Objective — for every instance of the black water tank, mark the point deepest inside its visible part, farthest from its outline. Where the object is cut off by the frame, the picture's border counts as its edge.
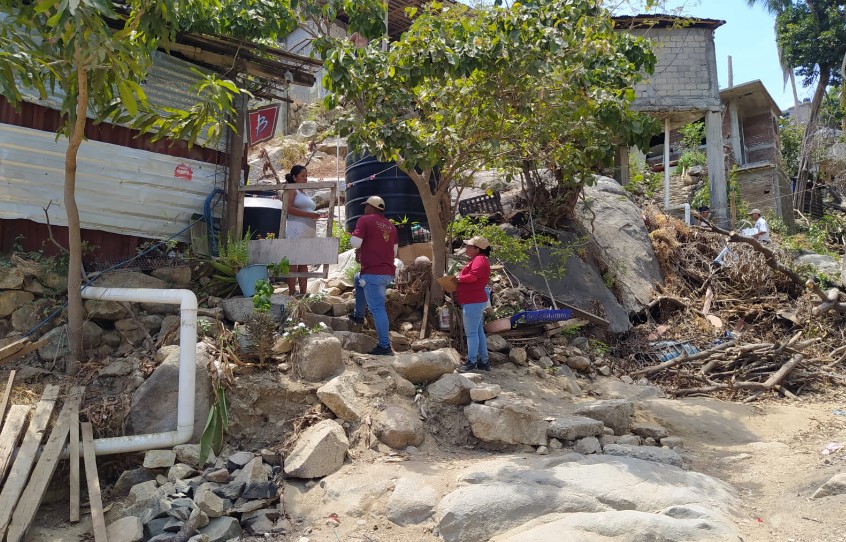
(401, 196)
(262, 216)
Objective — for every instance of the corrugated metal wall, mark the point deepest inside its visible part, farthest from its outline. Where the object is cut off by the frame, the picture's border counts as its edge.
(119, 190)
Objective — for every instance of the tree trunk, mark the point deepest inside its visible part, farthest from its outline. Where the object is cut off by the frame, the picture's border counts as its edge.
(843, 94)
(805, 158)
(75, 310)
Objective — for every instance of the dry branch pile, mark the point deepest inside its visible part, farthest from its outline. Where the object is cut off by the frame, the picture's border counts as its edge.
(758, 325)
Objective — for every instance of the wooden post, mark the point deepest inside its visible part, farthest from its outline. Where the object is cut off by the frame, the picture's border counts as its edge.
(73, 454)
(93, 481)
(5, 400)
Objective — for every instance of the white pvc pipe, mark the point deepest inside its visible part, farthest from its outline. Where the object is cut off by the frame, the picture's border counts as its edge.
(187, 302)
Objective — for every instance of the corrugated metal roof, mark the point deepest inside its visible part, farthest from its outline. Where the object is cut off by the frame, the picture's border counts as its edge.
(120, 190)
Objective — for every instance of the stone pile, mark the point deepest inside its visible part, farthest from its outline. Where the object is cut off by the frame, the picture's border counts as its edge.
(172, 496)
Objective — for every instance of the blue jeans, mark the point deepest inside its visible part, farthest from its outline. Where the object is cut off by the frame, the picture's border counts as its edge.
(474, 328)
(372, 291)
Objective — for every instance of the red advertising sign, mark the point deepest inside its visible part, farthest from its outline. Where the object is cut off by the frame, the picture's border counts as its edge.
(183, 171)
(262, 123)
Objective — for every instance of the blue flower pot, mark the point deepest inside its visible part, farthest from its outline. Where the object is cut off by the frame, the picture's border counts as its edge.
(248, 276)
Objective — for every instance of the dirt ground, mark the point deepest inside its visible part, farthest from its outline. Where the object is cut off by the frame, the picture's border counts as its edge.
(770, 451)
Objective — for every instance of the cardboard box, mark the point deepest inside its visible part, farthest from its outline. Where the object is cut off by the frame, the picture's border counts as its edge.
(409, 253)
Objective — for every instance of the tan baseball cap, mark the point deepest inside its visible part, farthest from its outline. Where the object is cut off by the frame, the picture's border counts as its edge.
(478, 241)
(755, 212)
(375, 201)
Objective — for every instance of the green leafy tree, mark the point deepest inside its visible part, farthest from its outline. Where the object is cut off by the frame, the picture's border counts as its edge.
(791, 141)
(95, 55)
(540, 84)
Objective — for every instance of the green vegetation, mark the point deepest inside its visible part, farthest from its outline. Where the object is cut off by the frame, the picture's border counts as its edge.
(643, 181)
(343, 236)
(218, 421)
(693, 135)
(791, 144)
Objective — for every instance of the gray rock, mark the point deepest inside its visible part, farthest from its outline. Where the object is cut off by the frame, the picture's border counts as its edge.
(259, 490)
(452, 389)
(604, 370)
(398, 428)
(190, 455)
(12, 279)
(258, 525)
(587, 445)
(130, 478)
(178, 277)
(432, 343)
(143, 494)
(210, 503)
(128, 529)
(574, 427)
(159, 459)
(253, 472)
(649, 441)
(672, 442)
(319, 451)
(825, 264)
(231, 491)
(614, 413)
(180, 471)
(555, 444)
(578, 363)
(836, 485)
(356, 342)
(27, 317)
(498, 358)
(485, 392)
(57, 341)
(153, 408)
(12, 300)
(536, 351)
(320, 357)
(496, 343)
(239, 460)
(645, 453)
(155, 527)
(222, 529)
(624, 241)
(220, 476)
(629, 440)
(111, 338)
(517, 356)
(508, 421)
(420, 367)
(545, 362)
(542, 450)
(412, 502)
(117, 367)
(152, 323)
(239, 309)
(105, 310)
(131, 330)
(647, 430)
(340, 397)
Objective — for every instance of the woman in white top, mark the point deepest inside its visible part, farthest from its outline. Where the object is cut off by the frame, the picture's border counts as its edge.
(301, 223)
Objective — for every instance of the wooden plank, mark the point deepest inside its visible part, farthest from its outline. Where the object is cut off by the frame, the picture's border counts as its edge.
(424, 324)
(319, 251)
(51, 454)
(73, 449)
(288, 186)
(283, 217)
(10, 349)
(93, 480)
(16, 481)
(6, 394)
(9, 437)
(32, 347)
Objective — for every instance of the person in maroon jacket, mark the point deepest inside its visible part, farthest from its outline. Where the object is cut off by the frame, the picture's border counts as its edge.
(376, 243)
(471, 295)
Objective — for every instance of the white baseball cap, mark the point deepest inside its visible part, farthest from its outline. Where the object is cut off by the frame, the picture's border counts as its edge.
(375, 201)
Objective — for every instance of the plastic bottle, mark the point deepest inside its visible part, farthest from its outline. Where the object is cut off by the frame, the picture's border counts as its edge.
(444, 318)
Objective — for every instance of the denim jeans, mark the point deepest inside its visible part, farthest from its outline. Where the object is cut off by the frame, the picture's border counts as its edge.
(474, 328)
(371, 289)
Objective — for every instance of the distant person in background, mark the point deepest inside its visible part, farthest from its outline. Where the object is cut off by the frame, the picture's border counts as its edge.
(376, 245)
(471, 295)
(301, 223)
(762, 232)
(704, 214)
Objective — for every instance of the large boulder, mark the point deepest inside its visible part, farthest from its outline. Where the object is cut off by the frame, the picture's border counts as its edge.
(319, 451)
(420, 367)
(504, 495)
(153, 407)
(623, 238)
(836, 485)
(320, 357)
(238, 309)
(411, 503)
(105, 310)
(57, 341)
(645, 453)
(340, 396)
(398, 428)
(507, 421)
(574, 428)
(824, 264)
(178, 276)
(614, 413)
(12, 279)
(12, 300)
(452, 389)
(356, 342)
(581, 286)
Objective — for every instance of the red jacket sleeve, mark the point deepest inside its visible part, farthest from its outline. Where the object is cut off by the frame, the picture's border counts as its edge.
(478, 269)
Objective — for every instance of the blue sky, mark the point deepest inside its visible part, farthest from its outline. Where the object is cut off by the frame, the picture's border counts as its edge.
(748, 37)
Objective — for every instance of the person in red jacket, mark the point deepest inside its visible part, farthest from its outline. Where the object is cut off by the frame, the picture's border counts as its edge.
(471, 295)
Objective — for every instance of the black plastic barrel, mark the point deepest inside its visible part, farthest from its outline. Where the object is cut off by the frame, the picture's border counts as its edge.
(389, 182)
(262, 216)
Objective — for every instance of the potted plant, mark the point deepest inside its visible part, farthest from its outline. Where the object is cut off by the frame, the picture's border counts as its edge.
(404, 234)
